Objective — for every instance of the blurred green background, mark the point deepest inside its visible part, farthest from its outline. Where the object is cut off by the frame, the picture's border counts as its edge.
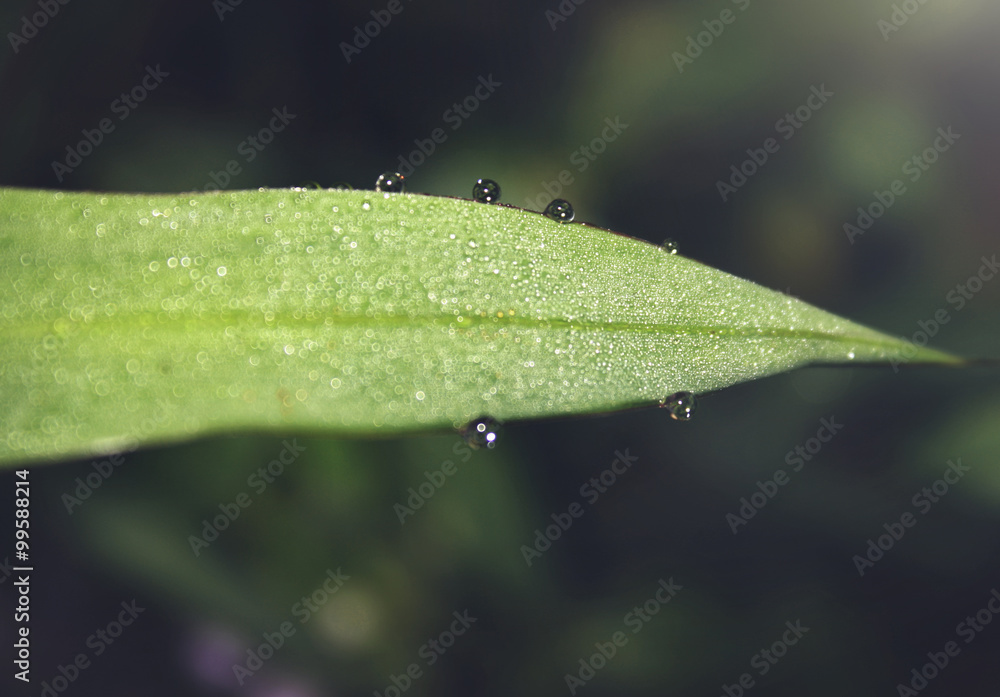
(563, 71)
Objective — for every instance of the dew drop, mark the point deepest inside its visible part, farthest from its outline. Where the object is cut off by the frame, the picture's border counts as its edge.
(560, 211)
(670, 245)
(486, 191)
(481, 433)
(682, 405)
(391, 182)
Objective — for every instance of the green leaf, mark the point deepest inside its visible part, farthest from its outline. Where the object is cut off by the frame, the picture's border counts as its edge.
(141, 319)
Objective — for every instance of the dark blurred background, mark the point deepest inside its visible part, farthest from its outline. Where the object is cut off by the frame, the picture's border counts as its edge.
(692, 86)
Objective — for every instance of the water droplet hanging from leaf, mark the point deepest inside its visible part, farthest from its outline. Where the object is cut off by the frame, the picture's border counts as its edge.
(486, 191)
(481, 433)
(390, 182)
(681, 405)
(560, 211)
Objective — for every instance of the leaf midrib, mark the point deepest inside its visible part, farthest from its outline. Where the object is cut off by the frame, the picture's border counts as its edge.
(145, 320)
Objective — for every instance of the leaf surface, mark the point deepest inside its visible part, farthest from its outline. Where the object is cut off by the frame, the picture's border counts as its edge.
(133, 319)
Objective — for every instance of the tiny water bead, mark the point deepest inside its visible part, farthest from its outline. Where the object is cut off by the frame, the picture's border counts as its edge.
(560, 211)
(670, 245)
(389, 182)
(486, 191)
(481, 433)
(682, 405)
